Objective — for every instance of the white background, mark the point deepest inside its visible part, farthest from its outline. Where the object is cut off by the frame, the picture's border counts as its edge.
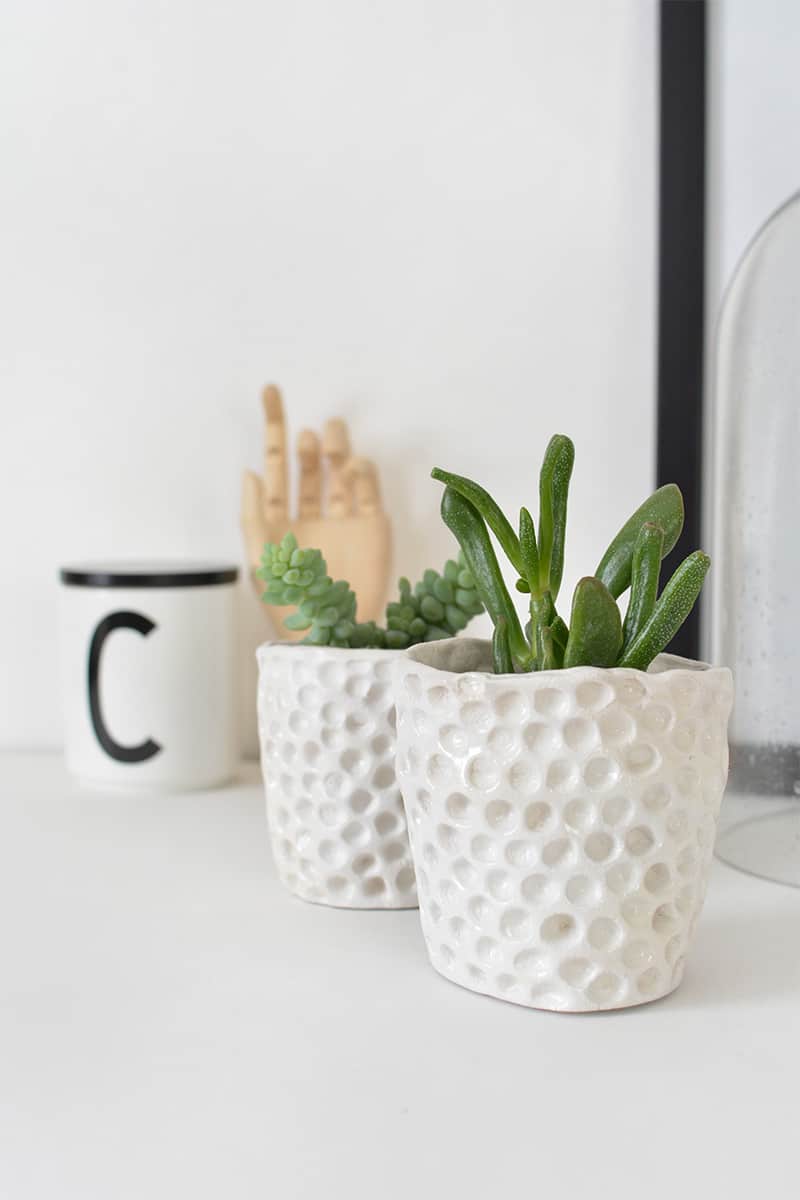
(175, 1026)
(753, 164)
(754, 117)
(437, 219)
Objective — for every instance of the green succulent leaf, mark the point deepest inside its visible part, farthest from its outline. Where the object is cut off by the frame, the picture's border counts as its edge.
(297, 621)
(665, 509)
(488, 508)
(529, 551)
(502, 661)
(648, 551)
(466, 523)
(595, 628)
(672, 608)
(395, 640)
(554, 478)
(560, 635)
(546, 649)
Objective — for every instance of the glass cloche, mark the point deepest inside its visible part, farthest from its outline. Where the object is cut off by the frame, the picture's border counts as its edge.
(756, 584)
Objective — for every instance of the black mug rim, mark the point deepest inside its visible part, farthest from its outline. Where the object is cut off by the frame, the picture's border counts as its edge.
(148, 575)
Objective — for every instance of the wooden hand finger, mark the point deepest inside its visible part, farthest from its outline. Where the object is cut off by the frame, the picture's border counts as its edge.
(310, 489)
(362, 475)
(276, 476)
(336, 449)
(252, 517)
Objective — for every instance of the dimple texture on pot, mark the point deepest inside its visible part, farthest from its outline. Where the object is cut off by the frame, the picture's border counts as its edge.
(327, 731)
(562, 823)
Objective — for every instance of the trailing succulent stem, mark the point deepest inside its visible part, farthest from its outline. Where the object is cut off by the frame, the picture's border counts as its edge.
(596, 635)
(439, 606)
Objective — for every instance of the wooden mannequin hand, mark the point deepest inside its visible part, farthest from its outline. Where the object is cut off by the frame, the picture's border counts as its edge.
(349, 525)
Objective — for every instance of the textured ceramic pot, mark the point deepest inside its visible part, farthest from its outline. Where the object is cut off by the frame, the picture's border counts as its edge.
(562, 823)
(336, 819)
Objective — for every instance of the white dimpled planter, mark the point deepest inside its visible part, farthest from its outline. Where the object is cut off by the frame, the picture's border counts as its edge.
(562, 822)
(336, 818)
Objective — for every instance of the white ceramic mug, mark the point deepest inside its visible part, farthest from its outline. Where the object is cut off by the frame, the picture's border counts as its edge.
(148, 667)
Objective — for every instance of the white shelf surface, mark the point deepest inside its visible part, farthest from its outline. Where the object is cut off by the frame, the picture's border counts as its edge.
(173, 1024)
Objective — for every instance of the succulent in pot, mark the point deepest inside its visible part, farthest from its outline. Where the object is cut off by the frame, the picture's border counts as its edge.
(327, 727)
(562, 783)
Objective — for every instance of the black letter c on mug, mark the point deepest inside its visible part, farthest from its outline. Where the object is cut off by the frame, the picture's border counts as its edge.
(115, 620)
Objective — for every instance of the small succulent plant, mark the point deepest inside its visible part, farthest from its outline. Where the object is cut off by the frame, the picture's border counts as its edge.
(596, 635)
(439, 606)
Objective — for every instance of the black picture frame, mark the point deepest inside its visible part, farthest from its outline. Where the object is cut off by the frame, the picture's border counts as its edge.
(681, 274)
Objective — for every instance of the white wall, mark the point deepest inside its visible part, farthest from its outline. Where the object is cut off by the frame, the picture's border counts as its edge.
(435, 217)
(753, 164)
(754, 119)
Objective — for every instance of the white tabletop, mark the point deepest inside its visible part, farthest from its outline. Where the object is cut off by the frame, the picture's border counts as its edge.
(173, 1024)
